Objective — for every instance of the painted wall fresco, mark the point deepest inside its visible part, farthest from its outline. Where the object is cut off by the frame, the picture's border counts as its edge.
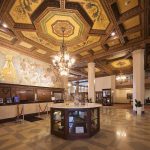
(20, 69)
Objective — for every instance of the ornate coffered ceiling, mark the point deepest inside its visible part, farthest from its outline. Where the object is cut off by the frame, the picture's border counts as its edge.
(34, 28)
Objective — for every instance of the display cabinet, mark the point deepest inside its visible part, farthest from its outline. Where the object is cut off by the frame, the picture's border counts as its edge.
(107, 100)
(57, 122)
(73, 123)
(99, 96)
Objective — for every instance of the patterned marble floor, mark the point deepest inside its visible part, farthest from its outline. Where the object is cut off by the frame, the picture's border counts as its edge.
(120, 130)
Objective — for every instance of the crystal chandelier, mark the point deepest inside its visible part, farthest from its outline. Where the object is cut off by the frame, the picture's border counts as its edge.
(121, 78)
(62, 60)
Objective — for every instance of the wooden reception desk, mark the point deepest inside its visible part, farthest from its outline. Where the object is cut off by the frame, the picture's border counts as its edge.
(8, 111)
(28, 96)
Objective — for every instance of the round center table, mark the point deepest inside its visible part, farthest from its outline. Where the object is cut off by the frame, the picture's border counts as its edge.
(74, 122)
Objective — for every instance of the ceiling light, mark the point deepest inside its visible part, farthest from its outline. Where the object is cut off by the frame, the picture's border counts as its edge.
(69, 84)
(63, 62)
(4, 25)
(113, 34)
(127, 2)
(121, 78)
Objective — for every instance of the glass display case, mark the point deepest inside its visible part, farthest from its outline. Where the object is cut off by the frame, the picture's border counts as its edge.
(94, 120)
(75, 123)
(99, 96)
(58, 123)
(107, 100)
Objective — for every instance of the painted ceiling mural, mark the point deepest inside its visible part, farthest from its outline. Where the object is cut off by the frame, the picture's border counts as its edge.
(96, 12)
(22, 9)
(20, 69)
(49, 22)
(35, 28)
(90, 40)
(121, 63)
(34, 37)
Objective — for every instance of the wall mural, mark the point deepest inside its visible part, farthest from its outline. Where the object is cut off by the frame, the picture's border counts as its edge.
(16, 68)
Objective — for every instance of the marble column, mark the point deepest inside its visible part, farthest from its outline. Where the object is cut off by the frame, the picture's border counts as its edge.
(77, 88)
(113, 88)
(138, 77)
(65, 86)
(91, 81)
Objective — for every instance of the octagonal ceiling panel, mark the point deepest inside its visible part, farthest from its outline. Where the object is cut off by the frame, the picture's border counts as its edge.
(50, 23)
(22, 9)
(121, 63)
(34, 37)
(96, 12)
(58, 25)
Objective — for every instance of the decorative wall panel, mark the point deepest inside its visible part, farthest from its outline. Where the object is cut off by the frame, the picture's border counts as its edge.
(20, 69)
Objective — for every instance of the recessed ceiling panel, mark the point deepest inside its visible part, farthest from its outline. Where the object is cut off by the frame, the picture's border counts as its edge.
(6, 36)
(132, 22)
(25, 44)
(22, 9)
(96, 12)
(125, 5)
(134, 35)
(34, 37)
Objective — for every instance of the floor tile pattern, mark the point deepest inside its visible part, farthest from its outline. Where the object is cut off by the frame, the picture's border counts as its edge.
(120, 130)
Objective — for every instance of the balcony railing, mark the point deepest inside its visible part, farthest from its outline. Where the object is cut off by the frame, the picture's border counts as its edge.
(129, 83)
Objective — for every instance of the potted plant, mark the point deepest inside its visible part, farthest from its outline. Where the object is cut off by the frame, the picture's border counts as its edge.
(138, 106)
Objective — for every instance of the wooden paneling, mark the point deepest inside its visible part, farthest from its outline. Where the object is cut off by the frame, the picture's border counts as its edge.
(5, 92)
(27, 93)
(43, 94)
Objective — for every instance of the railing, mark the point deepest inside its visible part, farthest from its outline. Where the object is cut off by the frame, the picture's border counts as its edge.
(129, 82)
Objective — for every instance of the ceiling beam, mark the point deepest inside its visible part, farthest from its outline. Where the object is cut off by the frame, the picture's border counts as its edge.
(114, 14)
(62, 4)
(24, 27)
(88, 47)
(79, 73)
(106, 36)
(129, 14)
(77, 79)
(97, 32)
(112, 51)
(146, 19)
(24, 51)
(104, 68)
(133, 30)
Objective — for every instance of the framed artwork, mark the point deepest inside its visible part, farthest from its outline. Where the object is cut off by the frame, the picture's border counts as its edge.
(129, 95)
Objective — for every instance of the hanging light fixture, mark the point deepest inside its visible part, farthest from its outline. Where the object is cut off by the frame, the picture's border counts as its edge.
(121, 78)
(62, 60)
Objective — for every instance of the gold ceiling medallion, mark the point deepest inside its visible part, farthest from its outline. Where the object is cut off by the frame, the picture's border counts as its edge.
(62, 61)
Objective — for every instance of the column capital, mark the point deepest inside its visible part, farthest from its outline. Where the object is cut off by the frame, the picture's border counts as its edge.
(91, 59)
(91, 63)
(138, 51)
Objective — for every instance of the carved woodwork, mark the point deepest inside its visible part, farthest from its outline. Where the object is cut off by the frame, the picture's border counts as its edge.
(27, 93)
